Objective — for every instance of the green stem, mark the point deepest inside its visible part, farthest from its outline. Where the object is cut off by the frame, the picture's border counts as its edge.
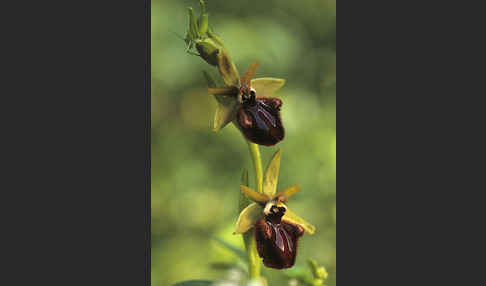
(250, 244)
(257, 163)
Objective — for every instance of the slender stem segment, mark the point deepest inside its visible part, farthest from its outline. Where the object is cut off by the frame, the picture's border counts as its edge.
(257, 163)
(253, 259)
(250, 244)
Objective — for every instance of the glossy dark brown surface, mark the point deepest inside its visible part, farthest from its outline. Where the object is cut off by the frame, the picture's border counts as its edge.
(259, 120)
(277, 241)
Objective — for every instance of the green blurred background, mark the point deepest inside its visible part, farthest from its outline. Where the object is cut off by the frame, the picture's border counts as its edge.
(196, 172)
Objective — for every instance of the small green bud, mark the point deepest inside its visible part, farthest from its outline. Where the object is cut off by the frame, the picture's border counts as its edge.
(319, 272)
(203, 24)
(215, 38)
(193, 30)
(322, 273)
(203, 19)
(208, 50)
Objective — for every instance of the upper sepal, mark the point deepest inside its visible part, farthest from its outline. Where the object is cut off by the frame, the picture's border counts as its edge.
(270, 178)
(227, 69)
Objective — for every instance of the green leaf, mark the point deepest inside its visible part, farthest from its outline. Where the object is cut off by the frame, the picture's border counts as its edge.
(266, 86)
(239, 252)
(254, 195)
(225, 266)
(248, 217)
(195, 283)
(288, 192)
(293, 218)
(270, 179)
(227, 69)
(244, 178)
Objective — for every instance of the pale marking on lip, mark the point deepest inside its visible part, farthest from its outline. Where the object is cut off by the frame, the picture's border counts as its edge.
(266, 210)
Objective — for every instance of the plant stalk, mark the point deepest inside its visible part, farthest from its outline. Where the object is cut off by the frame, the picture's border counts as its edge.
(257, 164)
(250, 244)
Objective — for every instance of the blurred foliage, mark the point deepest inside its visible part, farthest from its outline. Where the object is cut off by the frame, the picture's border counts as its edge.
(196, 172)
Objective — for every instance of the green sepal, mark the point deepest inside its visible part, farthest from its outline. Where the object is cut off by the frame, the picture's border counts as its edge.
(227, 69)
(225, 113)
(227, 105)
(266, 86)
(254, 195)
(248, 217)
(270, 179)
(295, 219)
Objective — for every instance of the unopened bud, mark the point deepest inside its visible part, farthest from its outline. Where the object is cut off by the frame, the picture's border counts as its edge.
(193, 29)
(208, 50)
(318, 271)
(203, 19)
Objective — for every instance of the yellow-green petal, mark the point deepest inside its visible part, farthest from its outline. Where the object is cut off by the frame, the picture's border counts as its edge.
(289, 192)
(254, 195)
(248, 217)
(270, 179)
(266, 86)
(293, 218)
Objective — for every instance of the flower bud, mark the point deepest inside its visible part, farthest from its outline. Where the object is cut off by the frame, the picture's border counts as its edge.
(203, 19)
(208, 50)
(319, 272)
(193, 29)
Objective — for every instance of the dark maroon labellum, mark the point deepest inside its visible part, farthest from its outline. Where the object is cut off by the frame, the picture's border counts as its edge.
(276, 240)
(259, 119)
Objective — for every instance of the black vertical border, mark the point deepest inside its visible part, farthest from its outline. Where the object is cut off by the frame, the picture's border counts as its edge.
(148, 211)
